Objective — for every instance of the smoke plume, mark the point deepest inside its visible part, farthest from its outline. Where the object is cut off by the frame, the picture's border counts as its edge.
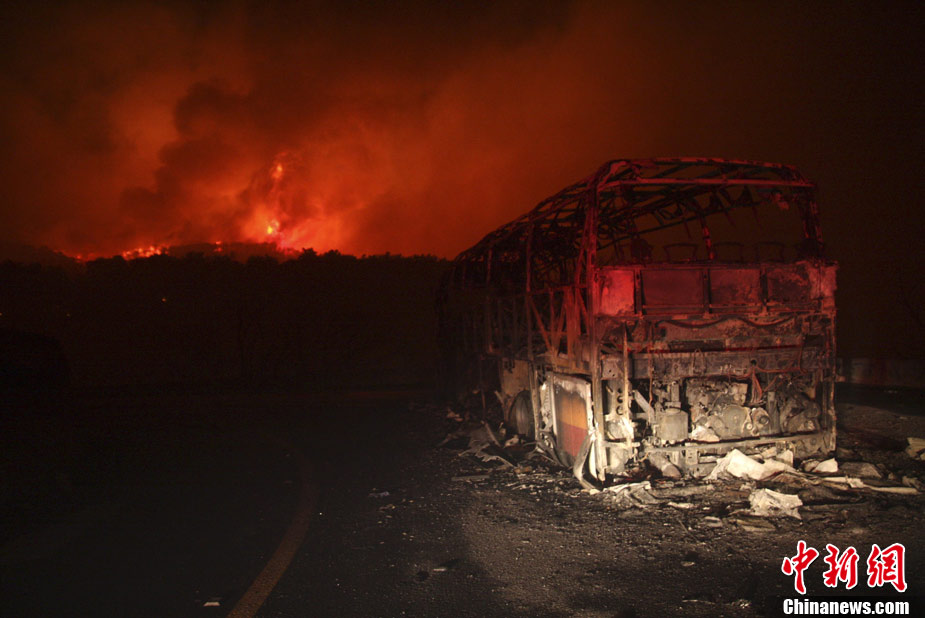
(418, 127)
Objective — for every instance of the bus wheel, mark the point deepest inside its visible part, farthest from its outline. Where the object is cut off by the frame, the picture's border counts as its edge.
(520, 415)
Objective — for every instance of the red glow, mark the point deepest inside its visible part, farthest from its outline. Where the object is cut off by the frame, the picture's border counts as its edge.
(143, 252)
(366, 129)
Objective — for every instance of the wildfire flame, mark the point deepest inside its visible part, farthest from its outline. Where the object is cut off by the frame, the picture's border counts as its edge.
(143, 252)
(283, 207)
(273, 216)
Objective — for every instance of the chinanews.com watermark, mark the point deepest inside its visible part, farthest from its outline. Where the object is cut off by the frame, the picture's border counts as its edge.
(844, 607)
(886, 567)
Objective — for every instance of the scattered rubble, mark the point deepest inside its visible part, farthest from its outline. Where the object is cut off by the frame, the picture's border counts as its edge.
(469, 478)
(481, 441)
(668, 469)
(683, 490)
(829, 466)
(770, 503)
(774, 453)
(739, 465)
(770, 486)
(916, 448)
(443, 567)
(754, 523)
(861, 469)
(632, 494)
(712, 521)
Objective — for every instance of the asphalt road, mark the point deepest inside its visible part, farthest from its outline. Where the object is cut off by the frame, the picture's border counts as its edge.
(144, 504)
(173, 504)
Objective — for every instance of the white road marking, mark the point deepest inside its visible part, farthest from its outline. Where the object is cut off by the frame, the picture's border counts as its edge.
(260, 589)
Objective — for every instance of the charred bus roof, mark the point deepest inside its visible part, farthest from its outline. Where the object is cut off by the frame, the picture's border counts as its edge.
(651, 210)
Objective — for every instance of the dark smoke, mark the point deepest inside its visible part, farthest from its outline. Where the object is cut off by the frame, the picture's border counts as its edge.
(418, 127)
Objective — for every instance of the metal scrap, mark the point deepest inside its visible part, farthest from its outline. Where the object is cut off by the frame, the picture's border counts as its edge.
(856, 483)
(770, 503)
(668, 469)
(739, 465)
(631, 494)
(828, 466)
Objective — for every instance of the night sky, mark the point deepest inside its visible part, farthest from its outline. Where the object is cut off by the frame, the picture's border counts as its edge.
(419, 127)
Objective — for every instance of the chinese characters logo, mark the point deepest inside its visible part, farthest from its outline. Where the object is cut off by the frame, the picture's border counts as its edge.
(884, 566)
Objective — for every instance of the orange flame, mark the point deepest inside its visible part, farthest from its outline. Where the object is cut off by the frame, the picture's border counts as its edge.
(143, 252)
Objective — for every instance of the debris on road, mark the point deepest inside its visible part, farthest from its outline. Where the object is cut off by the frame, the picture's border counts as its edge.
(754, 523)
(770, 503)
(682, 490)
(469, 478)
(739, 465)
(518, 525)
(446, 566)
(916, 448)
(829, 466)
(861, 469)
(668, 469)
(711, 521)
(754, 492)
(631, 494)
(856, 483)
(773, 452)
(488, 452)
(482, 442)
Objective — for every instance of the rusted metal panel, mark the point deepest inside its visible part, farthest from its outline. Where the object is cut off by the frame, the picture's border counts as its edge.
(571, 421)
(617, 295)
(572, 413)
(680, 289)
(735, 287)
(788, 284)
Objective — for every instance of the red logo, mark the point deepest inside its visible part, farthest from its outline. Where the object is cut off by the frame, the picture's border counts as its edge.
(887, 566)
(799, 563)
(884, 566)
(841, 568)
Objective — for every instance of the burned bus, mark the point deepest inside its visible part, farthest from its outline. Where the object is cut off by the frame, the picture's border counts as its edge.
(661, 309)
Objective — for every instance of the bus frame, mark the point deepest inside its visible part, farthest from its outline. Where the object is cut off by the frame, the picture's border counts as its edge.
(607, 349)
